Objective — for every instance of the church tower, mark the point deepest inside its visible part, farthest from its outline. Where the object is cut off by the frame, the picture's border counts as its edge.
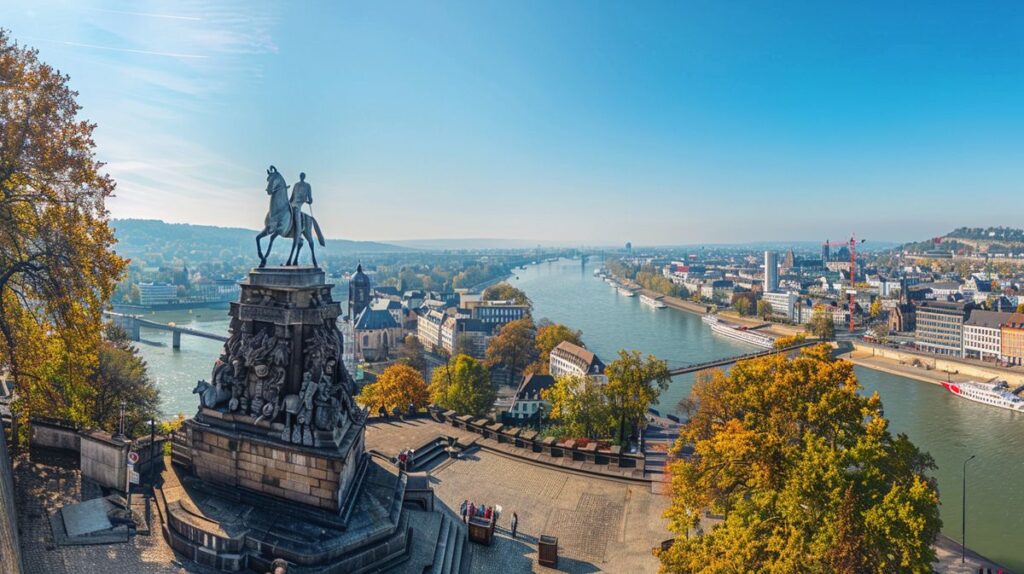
(358, 293)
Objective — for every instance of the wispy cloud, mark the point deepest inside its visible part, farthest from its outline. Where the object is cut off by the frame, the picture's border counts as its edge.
(145, 14)
(134, 51)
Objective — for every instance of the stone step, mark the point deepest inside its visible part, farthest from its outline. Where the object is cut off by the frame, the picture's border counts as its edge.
(442, 544)
(460, 548)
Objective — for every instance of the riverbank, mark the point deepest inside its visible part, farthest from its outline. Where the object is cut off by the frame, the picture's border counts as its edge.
(933, 368)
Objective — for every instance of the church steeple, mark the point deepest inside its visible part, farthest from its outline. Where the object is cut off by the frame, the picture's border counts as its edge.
(358, 293)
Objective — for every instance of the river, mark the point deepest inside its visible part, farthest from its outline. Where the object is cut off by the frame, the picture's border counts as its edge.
(564, 291)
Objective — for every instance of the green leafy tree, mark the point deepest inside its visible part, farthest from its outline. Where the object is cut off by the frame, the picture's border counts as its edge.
(122, 376)
(506, 292)
(742, 306)
(58, 269)
(463, 385)
(514, 347)
(634, 384)
(821, 324)
(580, 408)
(764, 309)
(804, 470)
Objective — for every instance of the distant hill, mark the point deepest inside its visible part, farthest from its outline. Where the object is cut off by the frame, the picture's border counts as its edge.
(974, 240)
(139, 238)
(479, 243)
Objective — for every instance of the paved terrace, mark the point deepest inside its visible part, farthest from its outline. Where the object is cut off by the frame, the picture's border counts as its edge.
(603, 524)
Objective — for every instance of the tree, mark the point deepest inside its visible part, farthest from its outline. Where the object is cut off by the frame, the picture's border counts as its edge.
(876, 308)
(764, 309)
(804, 470)
(57, 266)
(399, 386)
(122, 377)
(634, 384)
(505, 292)
(742, 306)
(410, 352)
(786, 342)
(580, 408)
(463, 385)
(821, 325)
(549, 336)
(514, 347)
(1020, 308)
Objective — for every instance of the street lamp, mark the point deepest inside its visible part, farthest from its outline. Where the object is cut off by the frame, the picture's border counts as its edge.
(963, 516)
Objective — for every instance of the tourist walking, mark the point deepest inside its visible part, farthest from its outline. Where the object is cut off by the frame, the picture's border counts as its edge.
(463, 508)
(515, 524)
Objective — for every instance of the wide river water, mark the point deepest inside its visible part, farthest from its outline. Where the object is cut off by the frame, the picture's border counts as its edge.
(565, 291)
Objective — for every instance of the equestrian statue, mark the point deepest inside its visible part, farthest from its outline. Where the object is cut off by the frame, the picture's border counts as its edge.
(286, 218)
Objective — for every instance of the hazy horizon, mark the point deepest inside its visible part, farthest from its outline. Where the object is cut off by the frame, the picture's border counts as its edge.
(657, 123)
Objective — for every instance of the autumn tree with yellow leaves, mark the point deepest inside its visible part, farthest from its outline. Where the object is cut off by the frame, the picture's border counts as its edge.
(805, 472)
(57, 264)
(399, 386)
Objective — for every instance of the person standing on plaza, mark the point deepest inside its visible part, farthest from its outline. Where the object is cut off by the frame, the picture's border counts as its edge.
(515, 524)
(463, 508)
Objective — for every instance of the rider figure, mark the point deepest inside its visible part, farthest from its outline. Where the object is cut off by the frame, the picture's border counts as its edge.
(302, 192)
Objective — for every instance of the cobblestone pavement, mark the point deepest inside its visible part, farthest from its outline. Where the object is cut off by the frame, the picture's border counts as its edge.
(601, 525)
(45, 481)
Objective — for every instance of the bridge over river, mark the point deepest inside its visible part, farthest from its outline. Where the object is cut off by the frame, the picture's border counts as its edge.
(715, 363)
(133, 324)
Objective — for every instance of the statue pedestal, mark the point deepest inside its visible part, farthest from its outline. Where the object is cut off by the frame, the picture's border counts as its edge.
(279, 418)
(320, 477)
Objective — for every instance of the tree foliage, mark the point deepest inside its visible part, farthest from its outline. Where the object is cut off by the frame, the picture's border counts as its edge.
(463, 385)
(580, 408)
(805, 472)
(57, 266)
(505, 292)
(514, 347)
(399, 386)
(876, 308)
(634, 384)
(742, 306)
(549, 336)
(410, 352)
(764, 309)
(122, 376)
(821, 325)
(786, 342)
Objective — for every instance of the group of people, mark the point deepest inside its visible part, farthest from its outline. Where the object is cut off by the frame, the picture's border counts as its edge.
(469, 510)
(405, 458)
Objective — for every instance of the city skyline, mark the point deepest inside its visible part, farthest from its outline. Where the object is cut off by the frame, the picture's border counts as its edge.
(665, 125)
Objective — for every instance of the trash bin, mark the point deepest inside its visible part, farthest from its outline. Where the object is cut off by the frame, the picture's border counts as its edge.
(547, 550)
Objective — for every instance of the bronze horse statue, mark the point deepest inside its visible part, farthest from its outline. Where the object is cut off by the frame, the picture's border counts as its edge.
(281, 221)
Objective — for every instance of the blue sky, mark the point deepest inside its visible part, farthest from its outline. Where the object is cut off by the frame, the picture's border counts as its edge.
(596, 122)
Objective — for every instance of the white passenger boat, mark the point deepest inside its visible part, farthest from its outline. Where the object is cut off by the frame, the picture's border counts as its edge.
(651, 302)
(739, 333)
(996, 394)
(626, 292)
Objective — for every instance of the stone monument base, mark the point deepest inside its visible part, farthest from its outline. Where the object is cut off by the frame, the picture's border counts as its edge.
(233, 531)
(237, 455)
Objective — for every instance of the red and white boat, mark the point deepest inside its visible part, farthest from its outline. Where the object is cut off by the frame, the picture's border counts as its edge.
(996, 394)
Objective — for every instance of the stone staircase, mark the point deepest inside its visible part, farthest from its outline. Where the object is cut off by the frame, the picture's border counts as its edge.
(451, 555)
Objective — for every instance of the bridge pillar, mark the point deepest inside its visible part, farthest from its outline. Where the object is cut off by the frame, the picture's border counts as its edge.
(134, 329)
(176, 339)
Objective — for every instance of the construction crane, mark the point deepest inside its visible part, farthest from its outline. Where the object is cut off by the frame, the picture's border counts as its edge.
(852, 291)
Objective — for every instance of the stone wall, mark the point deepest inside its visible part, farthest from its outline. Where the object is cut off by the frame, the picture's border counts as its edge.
(104, 458)
(286, 471)
(10, 549)
(530, 441)
(940, 364)
(54, 434)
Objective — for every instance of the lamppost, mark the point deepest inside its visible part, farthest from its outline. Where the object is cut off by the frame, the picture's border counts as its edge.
(963, 516)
